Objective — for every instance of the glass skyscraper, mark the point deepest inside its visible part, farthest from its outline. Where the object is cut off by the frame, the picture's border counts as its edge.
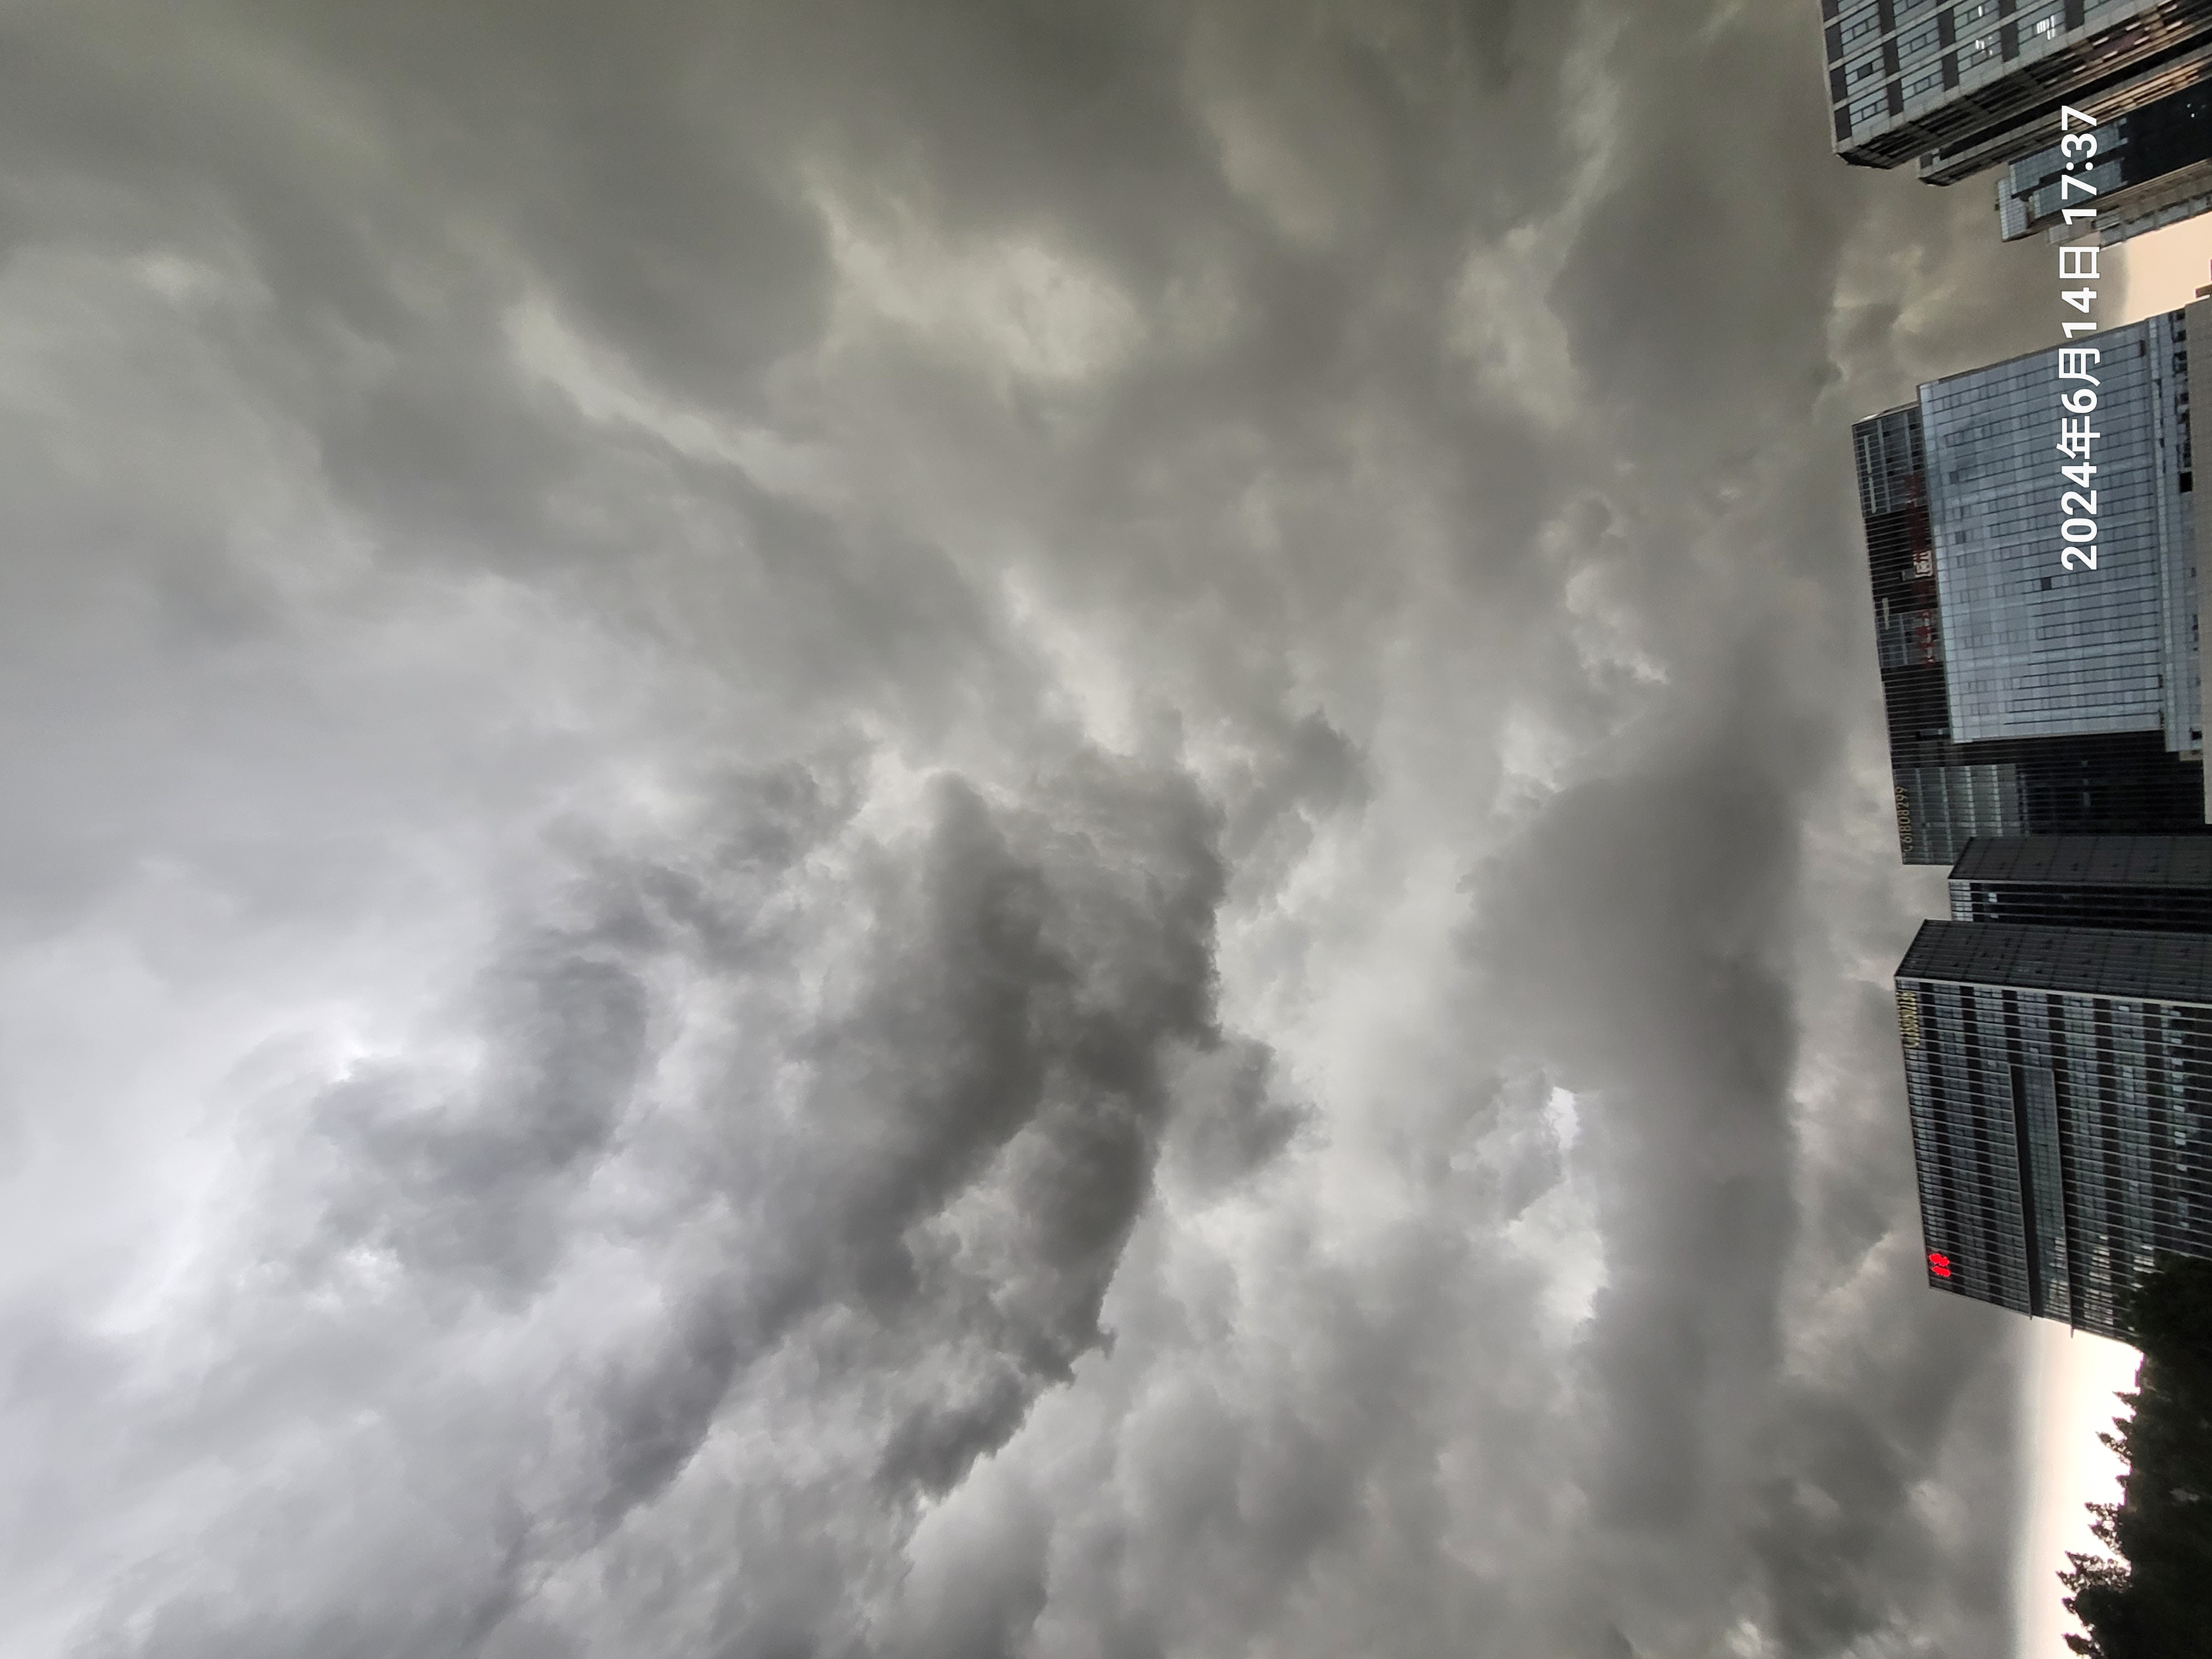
(2023, 697)
(2158, 883)
(1976, 83)
(2060, 1083)
(2034, 649)
(2152, 167)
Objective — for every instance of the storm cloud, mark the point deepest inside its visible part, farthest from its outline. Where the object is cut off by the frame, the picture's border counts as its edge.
(962, 829)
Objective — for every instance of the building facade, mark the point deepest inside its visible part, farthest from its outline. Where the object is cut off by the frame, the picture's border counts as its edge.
(1974, 84)
(2155, 884)
(2151, 168)
(2060, 1085)
(1998, 754)
(2032, 648)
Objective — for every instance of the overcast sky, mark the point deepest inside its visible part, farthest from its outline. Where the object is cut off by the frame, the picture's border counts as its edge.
(962, 828)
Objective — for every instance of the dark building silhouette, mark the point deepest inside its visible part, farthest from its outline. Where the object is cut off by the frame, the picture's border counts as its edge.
(2060, 1083)
(2154, 884)
(2149, 168)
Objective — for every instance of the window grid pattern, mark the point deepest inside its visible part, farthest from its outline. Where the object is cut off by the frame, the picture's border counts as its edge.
(2048, 202)
(2152, 158)
(2157, 883)
(2032, 648)
(1860, 24)
(2060, 1130)
(2176, 864)
(1869, 106)
(1891, 459)
(1946, 793)
(1938, 82)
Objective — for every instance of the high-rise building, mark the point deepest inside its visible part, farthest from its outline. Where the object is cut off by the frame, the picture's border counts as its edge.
(2148, 168)
(2037, 643)
(1976, 83)
(2060, 1083)
(2157, 883)
(2024, 696)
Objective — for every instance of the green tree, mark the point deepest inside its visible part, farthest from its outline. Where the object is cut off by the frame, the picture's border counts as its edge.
(2151, 1597)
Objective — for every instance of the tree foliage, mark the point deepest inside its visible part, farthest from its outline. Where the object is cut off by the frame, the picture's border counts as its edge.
(2151, 1598)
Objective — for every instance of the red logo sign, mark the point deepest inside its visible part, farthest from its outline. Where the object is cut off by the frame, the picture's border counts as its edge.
(1939, 1264)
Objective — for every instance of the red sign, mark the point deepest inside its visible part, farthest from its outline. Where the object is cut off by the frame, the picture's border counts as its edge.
(1939, 1264)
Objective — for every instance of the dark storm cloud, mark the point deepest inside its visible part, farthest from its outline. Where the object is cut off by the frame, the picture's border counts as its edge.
(1702, 1068)
(1665, 899)
(932, 1225)
(983, 829)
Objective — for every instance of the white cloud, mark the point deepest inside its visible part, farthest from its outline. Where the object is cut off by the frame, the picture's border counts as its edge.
(1012, 306)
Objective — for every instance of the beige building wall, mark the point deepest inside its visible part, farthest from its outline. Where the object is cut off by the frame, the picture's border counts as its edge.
(2198, 318)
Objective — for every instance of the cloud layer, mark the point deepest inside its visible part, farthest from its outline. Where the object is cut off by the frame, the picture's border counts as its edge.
(958, 831)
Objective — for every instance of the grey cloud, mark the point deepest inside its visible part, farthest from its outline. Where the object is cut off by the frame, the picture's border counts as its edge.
(1699, 1433)
(1233, 1118)
(458, 1195)
(707, 1112)
(951, 1197)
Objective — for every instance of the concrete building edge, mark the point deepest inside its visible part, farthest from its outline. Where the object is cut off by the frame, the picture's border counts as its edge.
(2197, 317)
